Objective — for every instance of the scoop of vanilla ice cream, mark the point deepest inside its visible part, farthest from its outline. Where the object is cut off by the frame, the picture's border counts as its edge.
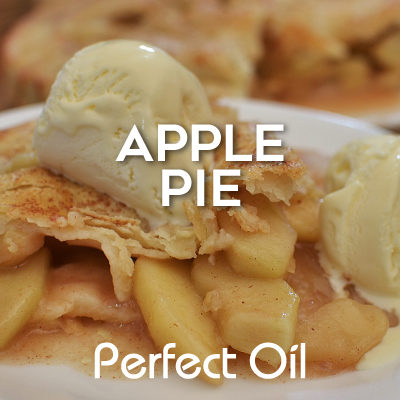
(360, 217)
(97, 97)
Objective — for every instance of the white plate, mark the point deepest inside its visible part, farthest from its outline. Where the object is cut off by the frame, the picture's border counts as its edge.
(388, 117)
(304, 128)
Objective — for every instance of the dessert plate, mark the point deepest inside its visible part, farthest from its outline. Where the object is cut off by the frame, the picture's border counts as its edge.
(306, 129)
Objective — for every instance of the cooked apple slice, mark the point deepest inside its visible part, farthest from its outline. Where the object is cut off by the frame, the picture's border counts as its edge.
(173, 311)
(341, 332)
(302, 214)
(17, 245)
(260, 254)
(248, 311)
(209, 275)
(21, 289)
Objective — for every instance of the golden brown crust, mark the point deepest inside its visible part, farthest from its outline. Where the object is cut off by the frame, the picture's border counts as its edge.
(58, 207)
(276, 180)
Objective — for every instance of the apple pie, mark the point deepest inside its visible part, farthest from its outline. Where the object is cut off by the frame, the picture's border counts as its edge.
(90, 270)
(304, 51)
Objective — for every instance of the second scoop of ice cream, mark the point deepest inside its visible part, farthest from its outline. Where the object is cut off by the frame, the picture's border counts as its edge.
(360, 217)
(97, 97)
